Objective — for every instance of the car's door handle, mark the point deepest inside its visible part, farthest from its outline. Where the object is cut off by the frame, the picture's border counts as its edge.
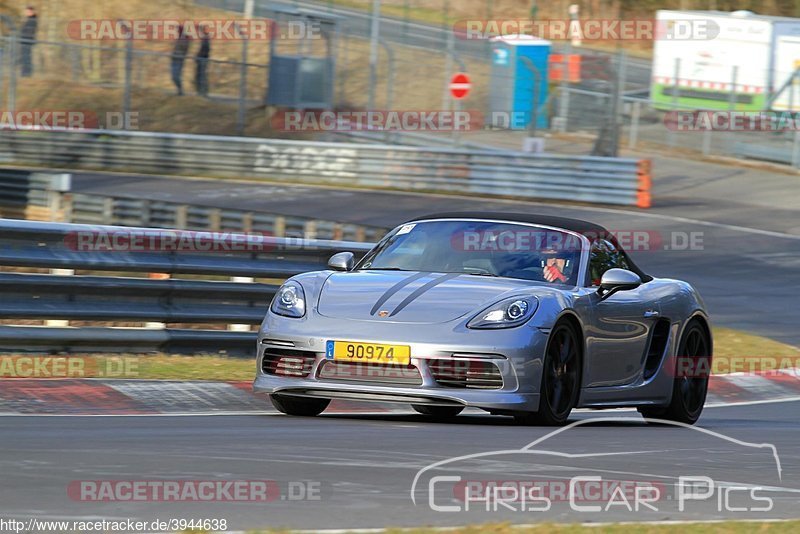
(651, 313)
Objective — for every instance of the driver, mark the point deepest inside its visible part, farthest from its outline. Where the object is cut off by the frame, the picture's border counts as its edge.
(555, 267)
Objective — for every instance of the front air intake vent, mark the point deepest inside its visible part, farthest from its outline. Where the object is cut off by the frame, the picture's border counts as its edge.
(289, 363)
(469, 374)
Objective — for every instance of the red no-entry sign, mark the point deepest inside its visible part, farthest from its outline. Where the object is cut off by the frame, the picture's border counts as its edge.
(460, 85)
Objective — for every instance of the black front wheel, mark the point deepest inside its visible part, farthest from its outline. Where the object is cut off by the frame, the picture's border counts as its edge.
(301, 406)
(690, 384)
(561, 379)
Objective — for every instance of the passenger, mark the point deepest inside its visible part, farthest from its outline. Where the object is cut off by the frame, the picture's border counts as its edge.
(178, 57)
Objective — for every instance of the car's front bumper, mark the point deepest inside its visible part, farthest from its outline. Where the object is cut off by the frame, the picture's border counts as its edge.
(517, 352)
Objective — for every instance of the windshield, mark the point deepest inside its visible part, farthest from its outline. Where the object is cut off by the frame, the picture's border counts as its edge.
(479, 248)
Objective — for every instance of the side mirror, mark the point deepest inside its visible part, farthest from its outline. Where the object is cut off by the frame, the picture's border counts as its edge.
(343, 261)
(614, 280)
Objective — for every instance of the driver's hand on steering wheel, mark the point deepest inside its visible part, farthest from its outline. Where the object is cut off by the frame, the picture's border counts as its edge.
(552, 273)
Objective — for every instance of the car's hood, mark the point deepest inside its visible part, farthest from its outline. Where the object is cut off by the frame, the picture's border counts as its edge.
(410, 297)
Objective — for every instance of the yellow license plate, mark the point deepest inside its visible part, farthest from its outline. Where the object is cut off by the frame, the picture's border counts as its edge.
(353, 351)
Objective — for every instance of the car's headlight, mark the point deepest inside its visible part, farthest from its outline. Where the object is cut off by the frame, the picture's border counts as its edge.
(507, 313)
(290, 300)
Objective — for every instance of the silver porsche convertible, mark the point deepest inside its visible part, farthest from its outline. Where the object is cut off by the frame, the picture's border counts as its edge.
(516, 314)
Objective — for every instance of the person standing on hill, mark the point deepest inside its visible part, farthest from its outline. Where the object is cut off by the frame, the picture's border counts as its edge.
(179, 53)
(27, 36)
(201, 60)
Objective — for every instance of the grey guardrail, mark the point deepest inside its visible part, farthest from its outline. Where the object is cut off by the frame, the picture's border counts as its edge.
(126, 250)
(59, 245)
(485, 173)
(134, 340)
(47, 195)
(22, 188)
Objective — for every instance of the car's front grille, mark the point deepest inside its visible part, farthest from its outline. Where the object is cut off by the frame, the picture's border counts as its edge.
(397, 375)
(471, 374)
(290, 363)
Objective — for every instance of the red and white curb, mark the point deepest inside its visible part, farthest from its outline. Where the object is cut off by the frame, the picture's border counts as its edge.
(22, 396)
(143, 397)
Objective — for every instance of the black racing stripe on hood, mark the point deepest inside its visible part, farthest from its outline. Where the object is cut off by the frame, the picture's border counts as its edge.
(394, 289)
(423, 289)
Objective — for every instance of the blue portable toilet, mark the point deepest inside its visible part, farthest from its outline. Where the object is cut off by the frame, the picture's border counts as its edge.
(512, 81)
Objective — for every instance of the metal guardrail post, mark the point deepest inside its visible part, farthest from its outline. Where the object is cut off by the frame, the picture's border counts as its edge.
(13, 50)
(66, 207)
(619, 88)
(390, 81)
(563, 91)
(279, 229)
(181, 216)
(448, 70)
(215, 220)
(240, 115)
(247, 222)
(675, 96)
(242, 327)
(108, 211)
(58, 186)
(55, 323)
(126, 98)
(156, 325)
(144, 219)
(537, 80)
(9, 62)
(796, 149)
(676, 83)
(633, 135)
(732, 95)
(373, 52)
(310, 230)
(452, 55)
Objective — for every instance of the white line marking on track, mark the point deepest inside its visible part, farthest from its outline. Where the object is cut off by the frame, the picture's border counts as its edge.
(753, 403)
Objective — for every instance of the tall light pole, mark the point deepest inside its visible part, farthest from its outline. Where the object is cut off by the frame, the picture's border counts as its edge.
(373, 52)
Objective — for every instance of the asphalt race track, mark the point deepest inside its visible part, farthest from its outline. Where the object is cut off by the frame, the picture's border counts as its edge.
(365, 464)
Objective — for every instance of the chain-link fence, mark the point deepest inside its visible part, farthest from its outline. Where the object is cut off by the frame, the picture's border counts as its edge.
(138, 76)
(687, 112)
(104, 73)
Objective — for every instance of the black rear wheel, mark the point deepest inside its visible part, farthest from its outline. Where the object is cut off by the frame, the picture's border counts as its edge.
(439, 412)
(300, 406)
(690, 385)
(561, 378)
